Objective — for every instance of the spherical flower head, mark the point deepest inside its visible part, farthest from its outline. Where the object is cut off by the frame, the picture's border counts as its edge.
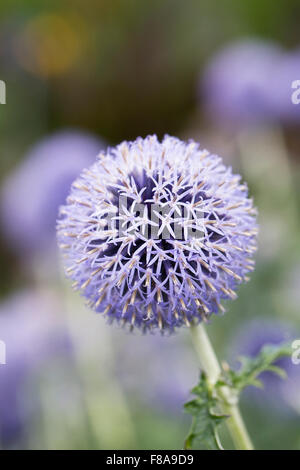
(32, 193)
(156, 234)
(237, 84)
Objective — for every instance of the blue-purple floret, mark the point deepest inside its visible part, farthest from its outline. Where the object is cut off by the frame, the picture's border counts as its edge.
(158, 281)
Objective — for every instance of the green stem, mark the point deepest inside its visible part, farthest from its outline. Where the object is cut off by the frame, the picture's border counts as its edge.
(211, 367)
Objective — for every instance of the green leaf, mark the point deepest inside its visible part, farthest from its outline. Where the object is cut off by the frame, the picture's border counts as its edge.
(206, 419)
(252, 367)
(205, 408)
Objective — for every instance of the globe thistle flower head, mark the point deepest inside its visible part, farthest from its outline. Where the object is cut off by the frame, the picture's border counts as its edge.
(32, 193)
(156, 234)
(237, 83)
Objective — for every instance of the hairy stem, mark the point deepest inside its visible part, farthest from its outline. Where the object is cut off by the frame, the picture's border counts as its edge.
(211, 367)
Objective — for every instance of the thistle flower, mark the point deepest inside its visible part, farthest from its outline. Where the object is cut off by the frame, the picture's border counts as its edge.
(237, 85)
(287, 71)
(31, 195)
(156, 234)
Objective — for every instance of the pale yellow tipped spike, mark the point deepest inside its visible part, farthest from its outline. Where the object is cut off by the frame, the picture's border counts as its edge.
(80, 186)
(148, 276)
(228, 224)
(121, 279)
(86, 283)
(219, 248)
(201, 261)
(237, 248)
(107, 309)
(203, 155)
(217, 203)
(100, 299)
(82, 260)
(96, 271)
(226, 292)
(149, 312)
(200, 185)
(249, 267)
(232, 293)
(125, 307)
(70, 270)
(160, 322)
(64, 246)
(234, 206)
(133, 296)
(132, 263)
(174, 279)
(94, 250)
(159, 296)
(124, 152)
(192, 287)
(209, 284)
(231, 273)
(210, 222)
(110, 263)
(203, 306)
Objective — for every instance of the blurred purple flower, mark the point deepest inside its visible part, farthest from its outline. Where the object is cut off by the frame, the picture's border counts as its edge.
(237, 84)
(158, 278)
(33, 192)
(33, 334)
(249, 341)
(287, 71)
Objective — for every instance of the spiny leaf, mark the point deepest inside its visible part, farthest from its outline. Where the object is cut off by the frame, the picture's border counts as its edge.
(252, 367)
(204, 408)
(203, 432)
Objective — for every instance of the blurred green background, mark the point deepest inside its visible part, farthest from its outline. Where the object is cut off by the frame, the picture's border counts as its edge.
(119, 70)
